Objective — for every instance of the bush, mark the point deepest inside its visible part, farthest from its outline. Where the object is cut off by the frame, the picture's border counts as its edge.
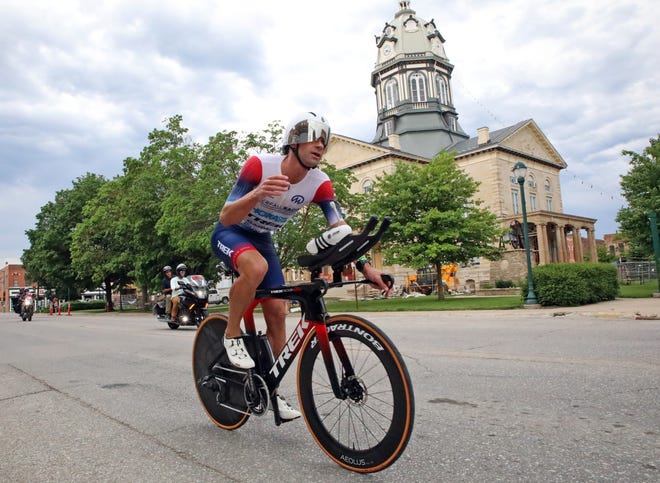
(90, 305)
(504, 284)
(571, 284)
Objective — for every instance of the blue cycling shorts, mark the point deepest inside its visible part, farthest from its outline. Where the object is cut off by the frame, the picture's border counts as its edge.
(228, 242)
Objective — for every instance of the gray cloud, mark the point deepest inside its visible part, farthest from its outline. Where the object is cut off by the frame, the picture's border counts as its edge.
(82, 86)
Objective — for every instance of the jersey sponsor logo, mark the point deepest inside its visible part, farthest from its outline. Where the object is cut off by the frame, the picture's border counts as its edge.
(225, 249)
(269, 216)
(298, 199)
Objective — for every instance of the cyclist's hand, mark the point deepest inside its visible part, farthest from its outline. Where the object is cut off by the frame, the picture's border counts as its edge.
(378, 280)
(273, 186)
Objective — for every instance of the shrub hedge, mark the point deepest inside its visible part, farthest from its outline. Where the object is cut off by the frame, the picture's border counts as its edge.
(89, 305)
(572, 284)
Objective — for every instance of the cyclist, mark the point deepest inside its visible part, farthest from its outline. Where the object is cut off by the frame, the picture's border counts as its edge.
(176, 289)
(270, 189)
(166, 289)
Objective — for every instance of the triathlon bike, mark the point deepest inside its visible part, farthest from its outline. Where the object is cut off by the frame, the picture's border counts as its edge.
(354, 390)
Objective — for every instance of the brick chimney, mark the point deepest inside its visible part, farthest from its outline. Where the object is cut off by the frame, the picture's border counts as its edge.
(483, 136)
(393, 141)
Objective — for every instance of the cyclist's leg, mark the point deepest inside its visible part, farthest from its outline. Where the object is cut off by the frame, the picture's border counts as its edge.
(252, 268)
(274, 309)
(237, 250)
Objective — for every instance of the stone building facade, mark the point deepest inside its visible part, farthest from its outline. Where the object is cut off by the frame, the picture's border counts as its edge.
(416, 119)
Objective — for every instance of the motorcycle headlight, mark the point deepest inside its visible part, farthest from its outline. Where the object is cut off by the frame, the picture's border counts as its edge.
(200, 294)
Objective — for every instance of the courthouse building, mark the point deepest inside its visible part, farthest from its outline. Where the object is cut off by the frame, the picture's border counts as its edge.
(417, 118)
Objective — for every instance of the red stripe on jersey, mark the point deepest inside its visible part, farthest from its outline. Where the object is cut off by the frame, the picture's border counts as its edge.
(324, 193)
(252, 171)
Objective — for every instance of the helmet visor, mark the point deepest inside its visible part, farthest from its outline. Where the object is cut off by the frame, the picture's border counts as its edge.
(309, 131)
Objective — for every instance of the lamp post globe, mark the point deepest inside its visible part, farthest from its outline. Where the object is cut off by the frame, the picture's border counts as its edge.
(520, 172)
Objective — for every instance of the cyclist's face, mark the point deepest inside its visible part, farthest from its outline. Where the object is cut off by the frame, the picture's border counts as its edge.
(312, 152)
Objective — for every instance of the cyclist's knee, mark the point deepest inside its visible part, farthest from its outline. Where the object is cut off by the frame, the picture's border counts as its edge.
(252, 266)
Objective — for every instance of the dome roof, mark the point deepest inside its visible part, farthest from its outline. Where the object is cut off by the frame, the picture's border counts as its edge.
(409, 34)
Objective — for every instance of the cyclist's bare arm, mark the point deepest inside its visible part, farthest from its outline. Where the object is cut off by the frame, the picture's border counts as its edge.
(235, 211)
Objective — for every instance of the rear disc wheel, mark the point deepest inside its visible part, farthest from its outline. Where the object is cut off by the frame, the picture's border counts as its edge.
(220, 391)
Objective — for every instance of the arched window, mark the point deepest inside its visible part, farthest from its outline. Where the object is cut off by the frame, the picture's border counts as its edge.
(443, 89)
(417, 88)
(391, 93)
(367, 186)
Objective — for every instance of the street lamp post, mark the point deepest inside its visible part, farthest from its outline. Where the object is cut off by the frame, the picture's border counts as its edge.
(520, 171)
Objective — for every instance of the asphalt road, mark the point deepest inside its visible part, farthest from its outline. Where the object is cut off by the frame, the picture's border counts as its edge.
(510, 396)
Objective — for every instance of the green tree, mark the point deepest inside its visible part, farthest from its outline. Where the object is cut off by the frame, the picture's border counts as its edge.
(99, 243)
(435, 218)
(641, 189)
(48, 259)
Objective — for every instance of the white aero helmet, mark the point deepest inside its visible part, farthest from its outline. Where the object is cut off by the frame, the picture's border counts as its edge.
(306, 128)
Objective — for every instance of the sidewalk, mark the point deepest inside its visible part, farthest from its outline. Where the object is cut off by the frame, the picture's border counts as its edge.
(627, 308)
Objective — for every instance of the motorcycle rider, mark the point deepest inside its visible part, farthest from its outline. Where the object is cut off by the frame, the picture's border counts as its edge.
(166, 289)
(270, 189)
(181, 270)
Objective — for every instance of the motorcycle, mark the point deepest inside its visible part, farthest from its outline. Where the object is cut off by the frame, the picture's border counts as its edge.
(27, 307)
(193, 304)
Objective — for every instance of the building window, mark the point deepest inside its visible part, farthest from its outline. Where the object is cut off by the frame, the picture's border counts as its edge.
(391, 93)
(443, 89)
(367, 186)
(388, 127)
(548, 203)
(547, 186)
(532, 202)
(417, 88)
(515, 198)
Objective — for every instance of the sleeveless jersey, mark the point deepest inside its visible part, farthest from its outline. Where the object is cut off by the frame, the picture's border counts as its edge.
(272, 213)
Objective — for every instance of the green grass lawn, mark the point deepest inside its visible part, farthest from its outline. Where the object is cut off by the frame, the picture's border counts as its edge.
(638, 290)
(450, 302)
(430, 302)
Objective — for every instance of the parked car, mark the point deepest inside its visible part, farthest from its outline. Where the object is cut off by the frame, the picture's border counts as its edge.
(219, 294)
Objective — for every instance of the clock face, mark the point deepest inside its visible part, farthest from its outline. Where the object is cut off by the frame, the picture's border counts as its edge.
(387, 50)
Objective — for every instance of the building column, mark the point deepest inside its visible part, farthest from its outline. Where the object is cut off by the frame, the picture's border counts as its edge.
(561, 244)
(591, 239)
(542, 241)
(577, 245)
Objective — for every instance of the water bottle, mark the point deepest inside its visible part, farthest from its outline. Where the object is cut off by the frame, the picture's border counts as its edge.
(328, 238)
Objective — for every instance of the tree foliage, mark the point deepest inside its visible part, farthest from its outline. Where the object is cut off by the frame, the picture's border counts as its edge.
(48, 259)
(641, 189)
(159, 211)
(435, 218)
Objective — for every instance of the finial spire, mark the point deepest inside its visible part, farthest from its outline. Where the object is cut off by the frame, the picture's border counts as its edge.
(404, 5)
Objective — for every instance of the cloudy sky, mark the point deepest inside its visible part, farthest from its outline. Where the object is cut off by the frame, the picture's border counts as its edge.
(82, 85)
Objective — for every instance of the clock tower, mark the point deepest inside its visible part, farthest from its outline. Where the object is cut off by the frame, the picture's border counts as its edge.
(412, 83)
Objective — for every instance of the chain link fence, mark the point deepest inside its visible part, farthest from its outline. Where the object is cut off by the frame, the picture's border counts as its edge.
(636, 272)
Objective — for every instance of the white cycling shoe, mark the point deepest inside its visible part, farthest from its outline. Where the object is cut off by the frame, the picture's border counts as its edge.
(287, 412)
(237, 353)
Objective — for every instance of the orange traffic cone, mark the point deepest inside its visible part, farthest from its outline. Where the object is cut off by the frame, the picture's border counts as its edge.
(59, 309)
(68, 310)
(50, 309)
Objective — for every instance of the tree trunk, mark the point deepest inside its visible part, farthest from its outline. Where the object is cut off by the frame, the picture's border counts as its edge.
(108, 295)
(441, 288)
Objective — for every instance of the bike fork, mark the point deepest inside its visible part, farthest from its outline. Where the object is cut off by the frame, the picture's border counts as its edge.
(323, 338)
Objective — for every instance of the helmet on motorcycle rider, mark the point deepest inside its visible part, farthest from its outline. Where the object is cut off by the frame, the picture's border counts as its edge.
(306, 128)
(167, 268)
(181, 267)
